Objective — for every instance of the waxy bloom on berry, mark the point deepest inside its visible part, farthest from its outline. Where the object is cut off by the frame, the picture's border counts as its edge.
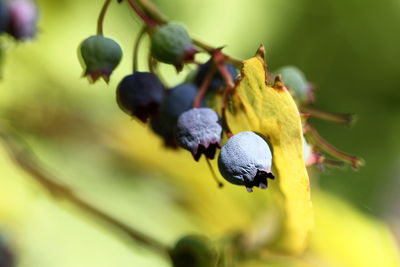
(100, 56)
(198, 130)
(246, 160)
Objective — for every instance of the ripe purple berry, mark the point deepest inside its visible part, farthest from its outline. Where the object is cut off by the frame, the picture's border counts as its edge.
(246, 160)
(199, 131)
(140, 95)
(171, 44)
(100, 56)
(160, 125)
(217, 81)
(22, 19)
(178, 100)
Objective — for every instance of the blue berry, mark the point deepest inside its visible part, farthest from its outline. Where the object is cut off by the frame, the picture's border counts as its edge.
(217, 81)
(193, 251)
(140, 95)
(22, 19)
(160, 125)
(172, 44)
(198, 130)
(100, 56)
(178, 100)
(246, 160)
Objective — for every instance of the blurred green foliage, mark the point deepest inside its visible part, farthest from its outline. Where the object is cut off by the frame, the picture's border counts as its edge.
(349, 49)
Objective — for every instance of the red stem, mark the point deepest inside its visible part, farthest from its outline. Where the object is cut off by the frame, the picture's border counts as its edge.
(355, 162)
(151, 23)
(204, 87)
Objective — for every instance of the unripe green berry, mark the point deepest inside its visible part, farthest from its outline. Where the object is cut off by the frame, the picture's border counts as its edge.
(193, 251)
(295, 80)
(100, 56)
(171, 44)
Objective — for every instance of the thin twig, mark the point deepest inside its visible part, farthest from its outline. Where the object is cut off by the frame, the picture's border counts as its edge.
(204, 86)
(22, 156)
(348, 119)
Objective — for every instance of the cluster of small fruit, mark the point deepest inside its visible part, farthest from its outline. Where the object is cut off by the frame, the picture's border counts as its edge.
(181, 116)
(18, 18)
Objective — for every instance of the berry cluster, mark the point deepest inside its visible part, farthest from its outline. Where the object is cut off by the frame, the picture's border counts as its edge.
(18, 18)
(183, 116)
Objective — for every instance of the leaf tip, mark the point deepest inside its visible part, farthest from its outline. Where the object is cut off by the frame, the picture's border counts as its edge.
(278, 83)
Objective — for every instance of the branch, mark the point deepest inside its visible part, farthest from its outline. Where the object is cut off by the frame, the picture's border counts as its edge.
(24, 158)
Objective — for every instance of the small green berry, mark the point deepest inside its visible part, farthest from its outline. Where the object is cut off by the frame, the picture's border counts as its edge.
(193, 251)
(100, 56)
(171, 44)
(295, 80)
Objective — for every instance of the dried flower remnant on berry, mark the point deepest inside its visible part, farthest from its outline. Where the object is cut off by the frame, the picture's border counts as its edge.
(22, 19)
(171, 44)
(246, 160)
(140, 95)
(198, 130)
(99, 57)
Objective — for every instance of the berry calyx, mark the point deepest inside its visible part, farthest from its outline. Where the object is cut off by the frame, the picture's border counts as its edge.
(140, 94)
(246, 160)
(100, 56)
(198, 130)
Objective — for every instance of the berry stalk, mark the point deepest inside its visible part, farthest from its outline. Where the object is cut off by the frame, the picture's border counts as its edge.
(204, 87)
(102, 14)
(149, 22)
(347, 119)
(319, 141)
(136, 48)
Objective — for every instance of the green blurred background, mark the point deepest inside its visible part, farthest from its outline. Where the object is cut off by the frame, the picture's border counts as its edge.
(349, 49)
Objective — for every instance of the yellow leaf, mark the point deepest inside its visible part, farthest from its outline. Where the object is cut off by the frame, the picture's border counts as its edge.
(272, 112)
